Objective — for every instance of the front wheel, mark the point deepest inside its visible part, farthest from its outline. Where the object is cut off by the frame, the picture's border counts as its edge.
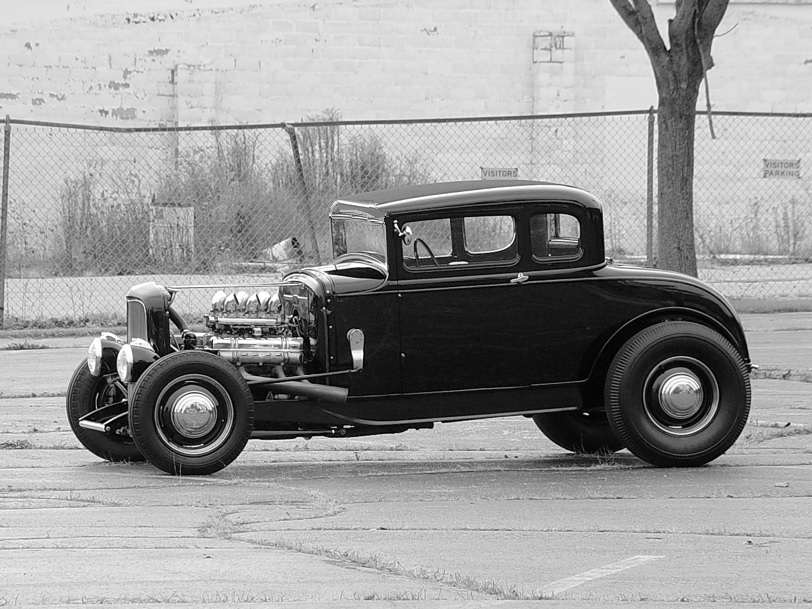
(579, 432)
(191, 413)
(678, 394)
(87, 394)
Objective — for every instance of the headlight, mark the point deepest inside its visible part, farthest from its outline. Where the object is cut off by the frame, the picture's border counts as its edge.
(133, 359)
(94, 357)
(124, 363)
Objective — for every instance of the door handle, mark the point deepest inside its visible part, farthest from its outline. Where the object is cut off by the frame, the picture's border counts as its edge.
(519, 279)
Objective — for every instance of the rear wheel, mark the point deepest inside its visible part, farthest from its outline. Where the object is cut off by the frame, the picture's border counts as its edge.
(579, 432)
(88, 393)
(678, 394)
(191, 413)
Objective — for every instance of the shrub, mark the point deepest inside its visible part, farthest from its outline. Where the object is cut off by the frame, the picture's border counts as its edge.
(101, 233)
(242, 205)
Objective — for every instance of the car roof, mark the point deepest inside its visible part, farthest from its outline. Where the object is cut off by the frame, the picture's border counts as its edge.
(444, 195)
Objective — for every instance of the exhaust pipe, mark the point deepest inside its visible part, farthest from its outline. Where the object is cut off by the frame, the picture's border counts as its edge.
(326, 393)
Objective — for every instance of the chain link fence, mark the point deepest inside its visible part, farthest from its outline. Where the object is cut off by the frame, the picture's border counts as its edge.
(89, 212)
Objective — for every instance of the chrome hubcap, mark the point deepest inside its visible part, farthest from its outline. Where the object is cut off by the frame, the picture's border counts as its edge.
(681, 395)
(194, 414)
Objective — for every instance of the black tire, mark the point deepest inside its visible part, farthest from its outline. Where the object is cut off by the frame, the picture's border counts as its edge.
(87, 393)
(579, 432)
(678, 394)
(197, 442)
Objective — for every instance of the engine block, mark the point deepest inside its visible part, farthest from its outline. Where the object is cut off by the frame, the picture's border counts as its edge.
(252, 329)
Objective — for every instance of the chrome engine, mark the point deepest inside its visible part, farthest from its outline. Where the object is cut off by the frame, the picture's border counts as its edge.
(260, 328)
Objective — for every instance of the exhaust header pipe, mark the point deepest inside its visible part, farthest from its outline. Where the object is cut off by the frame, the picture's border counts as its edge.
(326, 393)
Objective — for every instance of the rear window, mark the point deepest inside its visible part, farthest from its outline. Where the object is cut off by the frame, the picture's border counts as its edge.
(555, 236)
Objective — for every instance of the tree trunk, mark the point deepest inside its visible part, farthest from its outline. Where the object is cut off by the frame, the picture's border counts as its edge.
(676, 118)
(679, 71)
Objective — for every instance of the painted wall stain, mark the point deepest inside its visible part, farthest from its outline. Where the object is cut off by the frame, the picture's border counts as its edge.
(136, 19)
(117, 86)
(158, 52)
(37, 101)
(125, 74)
(125, 114)
(104, 113)
(58, 96)
(9, 95)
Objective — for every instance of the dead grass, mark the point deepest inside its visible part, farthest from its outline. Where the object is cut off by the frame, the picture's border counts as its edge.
(24, 346)
(16, 445)
(758, 434)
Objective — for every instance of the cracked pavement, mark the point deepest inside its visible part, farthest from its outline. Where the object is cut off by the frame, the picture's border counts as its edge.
(472, 514)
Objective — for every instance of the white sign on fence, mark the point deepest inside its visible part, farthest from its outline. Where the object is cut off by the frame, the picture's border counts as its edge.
(782, 168)
(499, 173)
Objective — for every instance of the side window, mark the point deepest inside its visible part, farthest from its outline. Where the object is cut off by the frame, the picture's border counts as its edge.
(429, 237)
(459, 242)
(486, 234)
(555, 236)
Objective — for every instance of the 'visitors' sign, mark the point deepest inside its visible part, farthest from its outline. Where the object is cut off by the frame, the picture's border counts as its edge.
(782, 168)
(499, 173)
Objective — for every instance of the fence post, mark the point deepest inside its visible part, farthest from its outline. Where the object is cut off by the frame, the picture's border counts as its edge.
(4, 219)
(306, 200)
(650, 190)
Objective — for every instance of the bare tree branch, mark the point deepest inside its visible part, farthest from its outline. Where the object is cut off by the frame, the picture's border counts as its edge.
(683, 21)
(727, 31)
(640, 20)
(706, 24)
(711, 16)
(629, 16)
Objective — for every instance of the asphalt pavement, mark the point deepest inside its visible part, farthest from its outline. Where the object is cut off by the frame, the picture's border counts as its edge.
(780, 344)
(473, 514)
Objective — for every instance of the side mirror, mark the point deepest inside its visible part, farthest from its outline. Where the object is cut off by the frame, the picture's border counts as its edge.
(405, 234)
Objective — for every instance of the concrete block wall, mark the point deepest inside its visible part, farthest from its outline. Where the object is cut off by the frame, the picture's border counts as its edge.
(204, 62)
(211, 61)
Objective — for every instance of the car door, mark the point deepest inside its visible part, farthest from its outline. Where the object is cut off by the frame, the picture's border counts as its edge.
(460, 303)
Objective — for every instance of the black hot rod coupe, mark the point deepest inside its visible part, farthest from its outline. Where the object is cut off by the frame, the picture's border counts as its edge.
(444, 302)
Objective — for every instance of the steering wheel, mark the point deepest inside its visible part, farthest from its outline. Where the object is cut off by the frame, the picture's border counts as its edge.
(428, 251)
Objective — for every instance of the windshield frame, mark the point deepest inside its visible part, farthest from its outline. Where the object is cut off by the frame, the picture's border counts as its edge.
(374, 227)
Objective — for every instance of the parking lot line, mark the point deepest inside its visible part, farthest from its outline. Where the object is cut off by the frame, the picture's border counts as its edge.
(587, 576)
